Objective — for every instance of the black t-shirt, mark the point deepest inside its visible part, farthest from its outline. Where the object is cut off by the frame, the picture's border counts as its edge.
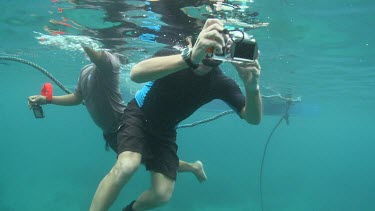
(173, 98)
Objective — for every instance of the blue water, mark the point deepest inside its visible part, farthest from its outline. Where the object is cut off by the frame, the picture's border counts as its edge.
(317, 50)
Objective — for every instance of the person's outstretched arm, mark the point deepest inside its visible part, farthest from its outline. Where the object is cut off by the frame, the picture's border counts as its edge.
(104, 60)
(96, 57)
(253, 109)
(158, 67)
(64, 100)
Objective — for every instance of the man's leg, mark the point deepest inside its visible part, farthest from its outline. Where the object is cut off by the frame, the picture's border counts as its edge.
(109, 188)
(196, 168)
(159, 194)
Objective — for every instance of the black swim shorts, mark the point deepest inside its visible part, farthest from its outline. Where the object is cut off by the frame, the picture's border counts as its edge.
(156, 144)
(111, 141)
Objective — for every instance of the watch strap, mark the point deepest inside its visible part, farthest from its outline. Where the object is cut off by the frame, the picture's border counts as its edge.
(191, 64)
(186, 55)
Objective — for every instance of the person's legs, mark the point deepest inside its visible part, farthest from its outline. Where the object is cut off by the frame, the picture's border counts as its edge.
(109, 188)
(159, 194)
(196, 168)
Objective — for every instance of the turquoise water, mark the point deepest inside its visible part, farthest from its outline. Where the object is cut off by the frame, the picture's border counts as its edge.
(317, 50)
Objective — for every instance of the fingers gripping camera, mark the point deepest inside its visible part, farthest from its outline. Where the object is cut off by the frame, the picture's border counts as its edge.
(240, 47)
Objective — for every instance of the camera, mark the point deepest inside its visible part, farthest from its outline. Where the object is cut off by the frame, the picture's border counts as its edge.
(38, 111)
(240, 47)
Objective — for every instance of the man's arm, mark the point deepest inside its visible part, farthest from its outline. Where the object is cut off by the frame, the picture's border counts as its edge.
(155, 68)
(96, 57)
(252, 111)
(64, 100)
(158, 67)
(250, 73)
(104, 60)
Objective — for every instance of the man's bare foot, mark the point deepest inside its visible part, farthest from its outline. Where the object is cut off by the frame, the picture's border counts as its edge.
(199, 171)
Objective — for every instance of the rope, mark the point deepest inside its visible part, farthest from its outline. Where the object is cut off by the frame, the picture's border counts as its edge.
(286, 118)
(289, 101)
(206, 120)
(42, 70)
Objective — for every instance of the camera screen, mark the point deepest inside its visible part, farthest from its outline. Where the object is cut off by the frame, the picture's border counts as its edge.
(245, 51)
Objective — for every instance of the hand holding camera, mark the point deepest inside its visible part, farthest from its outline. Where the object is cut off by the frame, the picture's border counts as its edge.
(218, 43)
(36, 101)
(209, 38)
(249, 73)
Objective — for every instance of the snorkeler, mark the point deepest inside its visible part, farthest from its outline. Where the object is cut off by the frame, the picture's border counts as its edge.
(178, 85)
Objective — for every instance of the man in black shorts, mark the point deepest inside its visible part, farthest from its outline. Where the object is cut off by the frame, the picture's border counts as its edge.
(178, 86)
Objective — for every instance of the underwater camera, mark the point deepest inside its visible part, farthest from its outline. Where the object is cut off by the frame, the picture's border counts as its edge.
(240, 47)
(38, 111)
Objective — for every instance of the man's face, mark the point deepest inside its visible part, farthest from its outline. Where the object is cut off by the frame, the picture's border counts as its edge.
(202, 69)
(211, 62)
(206, 66)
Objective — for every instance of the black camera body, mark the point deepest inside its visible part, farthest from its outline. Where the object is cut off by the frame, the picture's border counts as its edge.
(38, 111)
(245, 51)
(242, 48)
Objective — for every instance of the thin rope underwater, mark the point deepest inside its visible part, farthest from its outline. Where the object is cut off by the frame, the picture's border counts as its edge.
(206, 120)
(42, 70)
(286, 118)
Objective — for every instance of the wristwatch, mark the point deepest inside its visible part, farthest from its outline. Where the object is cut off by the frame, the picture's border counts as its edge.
(186, 54)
